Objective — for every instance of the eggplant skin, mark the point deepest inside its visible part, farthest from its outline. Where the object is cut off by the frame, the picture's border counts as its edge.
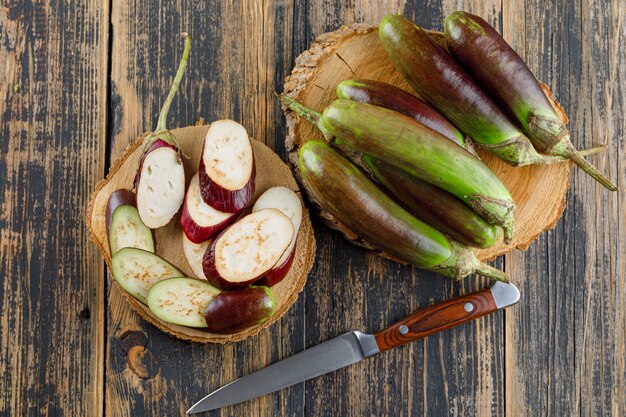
(348, 194)
(409, 146)
(391, 97)
(120, 197)
(222, 199)
(233, 311)
(442, 82)
(435, 206)
(213, 276)
(279, 272)
(497, 67)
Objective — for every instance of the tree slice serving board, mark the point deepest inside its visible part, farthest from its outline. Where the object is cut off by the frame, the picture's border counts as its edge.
(354, 51)
(270, 171)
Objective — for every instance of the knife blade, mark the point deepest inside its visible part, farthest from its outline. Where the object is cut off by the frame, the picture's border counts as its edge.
(354, 346)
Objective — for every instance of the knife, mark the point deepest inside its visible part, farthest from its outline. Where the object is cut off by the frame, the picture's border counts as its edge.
(353, 346)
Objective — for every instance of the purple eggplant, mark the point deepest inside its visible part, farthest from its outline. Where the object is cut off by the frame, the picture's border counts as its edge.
(501, 71)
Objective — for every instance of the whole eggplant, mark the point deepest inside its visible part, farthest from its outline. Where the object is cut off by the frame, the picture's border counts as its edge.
(442, 82)
(501, 71)
(389, 96)
(343, 190)
(412, 147)
(434, 206)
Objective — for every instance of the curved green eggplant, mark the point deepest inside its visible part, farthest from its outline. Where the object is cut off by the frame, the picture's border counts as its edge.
(435, 206)
(342, 189)
(391, 97)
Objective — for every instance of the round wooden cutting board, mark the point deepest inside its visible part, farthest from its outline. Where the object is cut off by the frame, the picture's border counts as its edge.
(271, 171)
(354, 51)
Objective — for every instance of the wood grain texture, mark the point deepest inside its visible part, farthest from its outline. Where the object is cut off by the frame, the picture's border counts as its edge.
(560, 351)
(53, 60)
(567, 357)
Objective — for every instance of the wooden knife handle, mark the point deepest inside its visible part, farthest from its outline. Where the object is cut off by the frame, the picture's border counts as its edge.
(436, 318)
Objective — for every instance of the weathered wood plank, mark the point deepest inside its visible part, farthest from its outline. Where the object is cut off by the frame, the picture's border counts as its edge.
(240, 55)
(53, 57)
(565, 350)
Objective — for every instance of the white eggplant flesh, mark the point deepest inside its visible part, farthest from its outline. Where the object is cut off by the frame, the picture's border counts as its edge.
(160, 186)
(181, 301)
(137, 270)
(248, 249)
(194, 252)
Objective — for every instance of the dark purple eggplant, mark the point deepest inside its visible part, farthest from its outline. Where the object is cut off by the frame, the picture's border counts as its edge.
(500, 70)
(434, 206)
(440, 80)
(344, 191)
(232, 311)
(391, 97)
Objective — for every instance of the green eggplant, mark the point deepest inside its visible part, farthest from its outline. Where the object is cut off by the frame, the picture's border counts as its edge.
(500, 70)
(343, 190)
(410, 146)
(441, 81)
(389, 96)
(434, 206)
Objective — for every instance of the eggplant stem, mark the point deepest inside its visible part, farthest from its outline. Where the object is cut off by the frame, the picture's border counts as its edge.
(306, 113)
(567, 150)
(161, 122)
(594, 150)
(490, 272)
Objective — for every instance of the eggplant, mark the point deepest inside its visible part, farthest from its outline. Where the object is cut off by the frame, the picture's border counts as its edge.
(227, 169)
(285, 200)
(343, 190)
(199, 220)
(160, 179)
(194, 252)
(436, 207)
(181, 301)
(391, 97)
(233, 311)
(410, 146)
(124, 226)
(247, 250)
(500, 70)
(443, 83)
(137, 270)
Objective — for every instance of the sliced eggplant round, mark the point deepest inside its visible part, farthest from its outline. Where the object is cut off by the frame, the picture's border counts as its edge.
(248, 249)
(160, 185)
(124, 226)
(128, 231)
(194, 252)
(227, 171)
(287, 201)
(120, 197)
(137, 270)
(232, 311)
(199, 220)
(181, 301)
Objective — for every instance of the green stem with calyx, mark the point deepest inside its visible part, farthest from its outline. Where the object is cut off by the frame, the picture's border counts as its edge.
(567, 150)
(552, 137)
(174, 88)
(309, 115)
(463, 262)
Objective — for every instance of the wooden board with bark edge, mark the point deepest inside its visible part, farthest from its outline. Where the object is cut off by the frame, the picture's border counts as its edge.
(271, 171)
(354, 51)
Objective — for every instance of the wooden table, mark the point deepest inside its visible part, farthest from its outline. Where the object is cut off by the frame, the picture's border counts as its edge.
(80, 80)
